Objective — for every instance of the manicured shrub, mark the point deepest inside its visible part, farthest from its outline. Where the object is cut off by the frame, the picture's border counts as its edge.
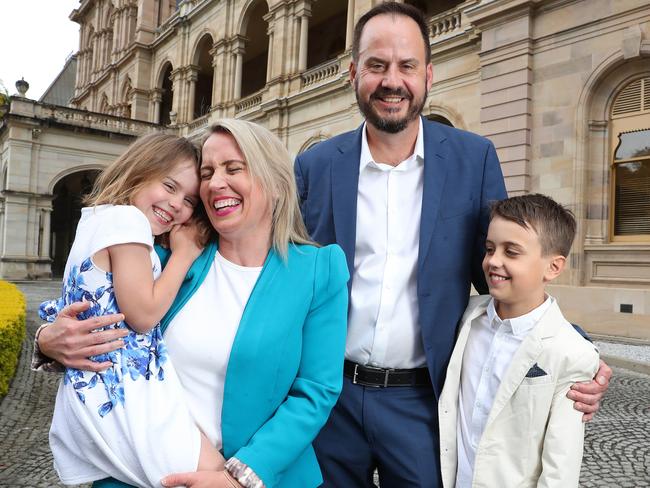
(12, 331)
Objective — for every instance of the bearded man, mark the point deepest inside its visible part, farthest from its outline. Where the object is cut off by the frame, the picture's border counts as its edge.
(407, 200)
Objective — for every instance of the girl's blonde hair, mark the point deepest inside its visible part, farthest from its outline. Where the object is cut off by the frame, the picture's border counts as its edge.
(270, 164)
(149, 158)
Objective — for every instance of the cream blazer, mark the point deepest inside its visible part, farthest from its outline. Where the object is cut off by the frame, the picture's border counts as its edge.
(533, 436)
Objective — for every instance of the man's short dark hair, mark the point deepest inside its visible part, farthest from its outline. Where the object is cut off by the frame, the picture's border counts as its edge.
(554, 224)
(392, 8)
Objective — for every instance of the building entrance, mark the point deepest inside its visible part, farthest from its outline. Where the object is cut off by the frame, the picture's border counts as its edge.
(66, 211)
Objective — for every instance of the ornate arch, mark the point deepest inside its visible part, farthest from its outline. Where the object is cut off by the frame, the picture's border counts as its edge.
(205, 32)
(312, 141)
(104, 105)
(593, 133)
(160, 71)
(244, 17)
(450, 114)
(69, 171)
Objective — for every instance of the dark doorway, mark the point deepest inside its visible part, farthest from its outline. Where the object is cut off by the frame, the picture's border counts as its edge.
(66, 211)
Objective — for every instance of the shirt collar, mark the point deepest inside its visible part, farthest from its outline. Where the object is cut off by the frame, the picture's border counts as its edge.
(521, 325)
(366, 157)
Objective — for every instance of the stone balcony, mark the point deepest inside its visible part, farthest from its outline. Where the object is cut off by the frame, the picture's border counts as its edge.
(54, 114)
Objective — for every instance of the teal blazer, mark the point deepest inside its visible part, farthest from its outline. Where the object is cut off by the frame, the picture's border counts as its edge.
(285, 370)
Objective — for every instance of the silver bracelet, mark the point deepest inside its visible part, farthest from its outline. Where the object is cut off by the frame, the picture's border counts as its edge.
(244, 475)
(40, 362)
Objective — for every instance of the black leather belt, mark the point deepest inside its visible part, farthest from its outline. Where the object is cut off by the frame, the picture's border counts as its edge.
(383, 378)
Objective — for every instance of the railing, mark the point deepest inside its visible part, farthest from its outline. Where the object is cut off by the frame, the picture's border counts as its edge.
(82, 118)
(199, 123)
(186, 6)
(321, 72)
(445, 23)
(248, 102)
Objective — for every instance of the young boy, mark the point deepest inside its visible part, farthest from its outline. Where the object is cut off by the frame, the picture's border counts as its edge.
(505, 420)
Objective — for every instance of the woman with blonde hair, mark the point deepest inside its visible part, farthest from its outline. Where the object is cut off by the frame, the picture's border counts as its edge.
(257, 331)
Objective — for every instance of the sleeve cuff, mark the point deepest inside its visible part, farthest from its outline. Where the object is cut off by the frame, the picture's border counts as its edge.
(244, 475)
(40, 362)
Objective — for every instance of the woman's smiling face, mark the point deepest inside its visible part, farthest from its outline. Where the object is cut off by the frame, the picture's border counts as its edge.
(235, 202)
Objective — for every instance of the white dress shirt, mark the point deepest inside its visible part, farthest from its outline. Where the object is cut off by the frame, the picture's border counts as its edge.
(491, 345)
(383, 326)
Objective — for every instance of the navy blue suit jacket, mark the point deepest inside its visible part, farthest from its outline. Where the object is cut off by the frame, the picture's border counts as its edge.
(461, 176)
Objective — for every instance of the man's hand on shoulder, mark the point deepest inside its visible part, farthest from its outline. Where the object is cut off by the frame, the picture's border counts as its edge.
(587, 396)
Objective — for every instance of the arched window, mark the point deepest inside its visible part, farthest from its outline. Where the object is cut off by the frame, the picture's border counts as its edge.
(327, 27)
(205, 77)
(104, 106)
(127, 95)
(630, 175)
(256, 51)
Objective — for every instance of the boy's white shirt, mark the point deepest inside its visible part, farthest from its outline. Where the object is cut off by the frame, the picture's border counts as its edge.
(533, 436)
(495, 341)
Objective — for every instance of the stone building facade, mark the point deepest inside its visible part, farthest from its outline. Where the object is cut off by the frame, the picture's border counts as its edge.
(562, 88)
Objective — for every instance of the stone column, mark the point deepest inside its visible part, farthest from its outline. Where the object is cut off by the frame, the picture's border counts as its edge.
(46, 215)
(156, 98)
(220, 65)
(215, 54)
(117, 33)
(238, 48)
(349, 27)
(304, 37)
(177, 87)
(139, 104)
(124, 35)
(192, 76)
(269, 58)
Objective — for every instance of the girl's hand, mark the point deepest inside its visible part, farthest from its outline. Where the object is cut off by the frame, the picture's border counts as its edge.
(71, 342)
(201, 479)
(184, 239)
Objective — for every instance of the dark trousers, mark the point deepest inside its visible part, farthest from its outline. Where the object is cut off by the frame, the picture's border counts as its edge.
(393, 430)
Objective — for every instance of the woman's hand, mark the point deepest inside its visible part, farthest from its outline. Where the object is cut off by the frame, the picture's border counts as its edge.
(185, 239)
(201, 479)
(71, 342)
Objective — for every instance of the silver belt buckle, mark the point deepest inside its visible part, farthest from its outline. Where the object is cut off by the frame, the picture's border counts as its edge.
(354, 375)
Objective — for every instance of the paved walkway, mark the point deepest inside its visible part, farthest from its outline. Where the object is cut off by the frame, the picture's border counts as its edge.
(617, 446)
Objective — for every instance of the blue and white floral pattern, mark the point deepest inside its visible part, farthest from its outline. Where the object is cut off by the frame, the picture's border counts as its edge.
(141, 358)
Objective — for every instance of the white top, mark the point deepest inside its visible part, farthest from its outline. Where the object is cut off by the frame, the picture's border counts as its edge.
(383, 326)
(201, 335)
(491, 345)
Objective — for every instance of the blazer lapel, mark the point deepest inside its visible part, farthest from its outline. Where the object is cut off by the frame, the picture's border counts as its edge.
(345, 185)
(435, 173)
(476, 307)
(524, 359)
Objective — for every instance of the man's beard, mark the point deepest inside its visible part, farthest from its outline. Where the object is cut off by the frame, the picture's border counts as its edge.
(391, 126)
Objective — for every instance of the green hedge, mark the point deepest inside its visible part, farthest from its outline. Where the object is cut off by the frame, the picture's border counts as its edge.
(12, 331)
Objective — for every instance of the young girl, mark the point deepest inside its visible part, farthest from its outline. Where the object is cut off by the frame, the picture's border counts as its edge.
(130, 421)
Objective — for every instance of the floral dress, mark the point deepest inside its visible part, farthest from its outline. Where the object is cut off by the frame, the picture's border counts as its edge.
(129, 421)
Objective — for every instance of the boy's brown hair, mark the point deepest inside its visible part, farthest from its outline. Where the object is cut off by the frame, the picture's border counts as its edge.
(554, 224)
